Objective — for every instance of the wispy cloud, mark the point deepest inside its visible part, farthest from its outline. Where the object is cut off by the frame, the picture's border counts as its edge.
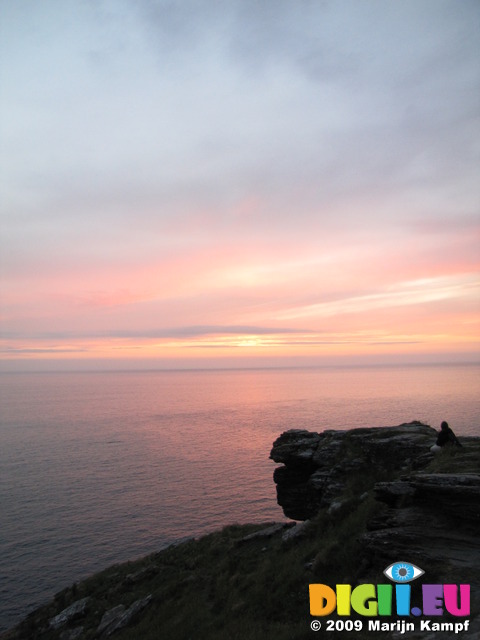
(12, 351)
(171, 332)
(421, 292)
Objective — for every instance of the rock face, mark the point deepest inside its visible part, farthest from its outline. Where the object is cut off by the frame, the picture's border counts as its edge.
(318, 467)
(433, 519)
(429, 518)
(118, 617)
(74, 611)
(436, 512)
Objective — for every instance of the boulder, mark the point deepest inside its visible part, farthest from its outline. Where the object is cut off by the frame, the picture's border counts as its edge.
(110, 618)
(267, 532)
(119, 618)
(297, 531)
(74, 611)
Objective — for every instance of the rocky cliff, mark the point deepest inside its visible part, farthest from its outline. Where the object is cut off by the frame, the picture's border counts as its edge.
(366, 498)
(428, 506)
(318, 467)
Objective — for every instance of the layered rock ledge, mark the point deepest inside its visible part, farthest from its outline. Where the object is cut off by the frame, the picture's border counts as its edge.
(428, 505)
(318, 467)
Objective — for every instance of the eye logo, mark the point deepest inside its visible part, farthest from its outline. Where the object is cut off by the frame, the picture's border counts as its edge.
(403, 572)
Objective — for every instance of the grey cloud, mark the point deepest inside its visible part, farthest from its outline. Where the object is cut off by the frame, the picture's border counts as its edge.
(468, 224)
(14, 351)
(204, 330)
(305, 105)
(181, 332)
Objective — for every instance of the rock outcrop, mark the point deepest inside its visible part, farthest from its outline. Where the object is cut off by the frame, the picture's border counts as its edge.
(434, 520)
(437, 515)
(119, 617)
(318, 467)
(362, 499)
(430, 517)
(73, 612)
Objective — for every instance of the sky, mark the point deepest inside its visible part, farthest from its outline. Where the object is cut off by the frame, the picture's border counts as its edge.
(238, 182)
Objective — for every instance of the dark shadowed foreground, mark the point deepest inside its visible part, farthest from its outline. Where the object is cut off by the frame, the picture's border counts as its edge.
(364, 499)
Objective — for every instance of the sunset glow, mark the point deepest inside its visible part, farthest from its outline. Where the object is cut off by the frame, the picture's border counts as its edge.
(200, 184)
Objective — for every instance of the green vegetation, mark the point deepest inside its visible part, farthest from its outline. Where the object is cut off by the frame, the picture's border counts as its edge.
(222, 587)
(219, 587)
(465, 459)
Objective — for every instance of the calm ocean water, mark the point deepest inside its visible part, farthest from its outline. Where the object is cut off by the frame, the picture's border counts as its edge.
(98, 468)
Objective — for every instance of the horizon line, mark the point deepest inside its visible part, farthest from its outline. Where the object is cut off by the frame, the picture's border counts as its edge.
(280, 367)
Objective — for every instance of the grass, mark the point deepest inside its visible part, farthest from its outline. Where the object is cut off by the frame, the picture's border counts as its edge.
(220, 588)
(452, 459)
(216, 587)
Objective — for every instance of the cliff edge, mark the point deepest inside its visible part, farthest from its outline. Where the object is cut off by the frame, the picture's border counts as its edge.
(427, 505)
(360, 500)
(319, 467)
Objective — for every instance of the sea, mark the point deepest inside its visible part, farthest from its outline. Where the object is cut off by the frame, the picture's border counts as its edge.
(98, 468)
